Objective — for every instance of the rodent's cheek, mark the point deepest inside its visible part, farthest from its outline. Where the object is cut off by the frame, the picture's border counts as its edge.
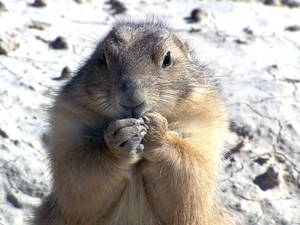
(109, 107)
(113, 112)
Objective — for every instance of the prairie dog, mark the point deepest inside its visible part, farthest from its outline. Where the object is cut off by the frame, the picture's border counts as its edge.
(137, 135)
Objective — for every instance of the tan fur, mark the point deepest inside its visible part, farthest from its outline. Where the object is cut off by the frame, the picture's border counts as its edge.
(174, 179)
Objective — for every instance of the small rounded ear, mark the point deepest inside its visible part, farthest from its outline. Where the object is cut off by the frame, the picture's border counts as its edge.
(181, 45)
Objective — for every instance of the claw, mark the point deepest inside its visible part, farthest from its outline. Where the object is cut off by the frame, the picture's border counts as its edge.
(140, 148)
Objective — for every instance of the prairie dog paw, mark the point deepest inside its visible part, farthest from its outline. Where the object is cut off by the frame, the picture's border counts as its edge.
(124, 136)
(157, 127)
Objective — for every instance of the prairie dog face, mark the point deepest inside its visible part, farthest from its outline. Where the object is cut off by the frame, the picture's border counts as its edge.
(137, 68)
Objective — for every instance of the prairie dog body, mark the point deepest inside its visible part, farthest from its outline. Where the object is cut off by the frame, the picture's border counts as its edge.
(137, 136)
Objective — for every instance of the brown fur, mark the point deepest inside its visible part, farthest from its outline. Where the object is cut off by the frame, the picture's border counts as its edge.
(134, 142)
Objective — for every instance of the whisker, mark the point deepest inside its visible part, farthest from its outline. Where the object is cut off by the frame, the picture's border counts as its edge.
(104, 106)
(214, 59)
(169, 97)
(91, 39)
(74, 109)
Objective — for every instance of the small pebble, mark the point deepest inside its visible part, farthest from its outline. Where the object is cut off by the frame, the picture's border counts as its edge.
(65, 74)
(39, 3)
(59, 43)
(262, 159)
(291, 3)
(269, 179)
(293, 28)
(14, 201)
(3, 7)
(248, 30)
(195, 30)
(38, 25)
(241, 41)
(197, 15)
(7, 44)
(117, 6)
(271, 2)
(3, 133)
(241, 130)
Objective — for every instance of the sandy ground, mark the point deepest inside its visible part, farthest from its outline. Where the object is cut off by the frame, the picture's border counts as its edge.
(253, 48)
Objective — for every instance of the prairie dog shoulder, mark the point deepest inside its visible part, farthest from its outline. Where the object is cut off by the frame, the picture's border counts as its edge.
(137, 135)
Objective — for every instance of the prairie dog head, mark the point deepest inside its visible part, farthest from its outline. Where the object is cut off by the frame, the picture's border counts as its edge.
(138, 67)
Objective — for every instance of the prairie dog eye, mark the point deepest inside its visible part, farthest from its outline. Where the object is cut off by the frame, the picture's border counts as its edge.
(167, 60)
(102, 60)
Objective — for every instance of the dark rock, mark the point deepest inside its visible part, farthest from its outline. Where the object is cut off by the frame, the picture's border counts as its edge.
(197, 15)
(195, 30)
(262, 159)
(38, 25)
(59, 43)
(3, 133)
(14, 201)
(248, 30)
(117, 6)
(7, 44)
(16, 142)
(235, 149)
(269, 179)
(3, 7)
(291, 3)
(240, 41)
(39, 3)
(271, 2)
(293, 28)
(65, 74)
(240, 130)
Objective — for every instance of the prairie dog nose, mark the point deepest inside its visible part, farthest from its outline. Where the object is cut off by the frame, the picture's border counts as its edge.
(131, 99)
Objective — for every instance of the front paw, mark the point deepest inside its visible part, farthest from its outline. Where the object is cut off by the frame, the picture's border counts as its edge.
(124, 137)
(157, 127)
